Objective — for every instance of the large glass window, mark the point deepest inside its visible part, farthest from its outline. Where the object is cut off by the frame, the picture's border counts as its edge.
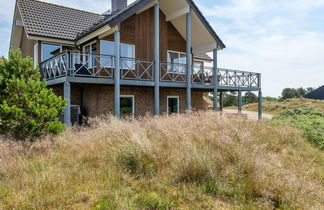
(173, 104)
(177, 62)
(127, 106)
(50, 50)
(127, 53)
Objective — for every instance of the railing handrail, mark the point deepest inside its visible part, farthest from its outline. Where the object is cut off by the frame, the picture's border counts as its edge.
(238, 71)
(140, 69)
(168, 63)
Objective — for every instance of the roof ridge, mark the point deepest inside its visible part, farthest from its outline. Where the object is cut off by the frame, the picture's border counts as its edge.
(58, 5)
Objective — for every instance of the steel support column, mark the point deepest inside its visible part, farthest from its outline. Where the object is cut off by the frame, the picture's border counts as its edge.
(215, 79)
(189, 60)
(157, 59)
(221, 105)
(260, 105)
(240, 101)
(117, 73)
(67, 110)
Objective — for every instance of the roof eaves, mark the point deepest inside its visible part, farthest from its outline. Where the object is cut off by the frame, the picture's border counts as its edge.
(206, 23)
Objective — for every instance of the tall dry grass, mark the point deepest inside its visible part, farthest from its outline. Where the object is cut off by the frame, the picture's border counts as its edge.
(196, 161)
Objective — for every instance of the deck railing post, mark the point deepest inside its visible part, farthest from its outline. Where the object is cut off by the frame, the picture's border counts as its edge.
(240, 101)
(117, 74)
(215, 79)
(157, 59)
(189, 61)
(67, 109)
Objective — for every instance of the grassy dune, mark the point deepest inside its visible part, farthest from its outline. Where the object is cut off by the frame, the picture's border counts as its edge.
(276, 107)
(197, 161)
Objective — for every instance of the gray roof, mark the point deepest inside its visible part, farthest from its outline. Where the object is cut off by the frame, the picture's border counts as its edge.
(317, 94)
(54, 21)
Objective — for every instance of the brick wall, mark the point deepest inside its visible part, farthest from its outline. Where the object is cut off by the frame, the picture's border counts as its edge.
(99, 99)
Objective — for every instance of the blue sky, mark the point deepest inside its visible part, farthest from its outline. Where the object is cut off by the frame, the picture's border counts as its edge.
(282, 39)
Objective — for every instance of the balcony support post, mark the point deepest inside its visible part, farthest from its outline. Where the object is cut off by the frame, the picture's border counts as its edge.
(67, 109)
(221, 105)
(189, 61)
(240, 101)
(117, 74)
(215, 80)
(157, 59)
(259, 98)
(260, 105)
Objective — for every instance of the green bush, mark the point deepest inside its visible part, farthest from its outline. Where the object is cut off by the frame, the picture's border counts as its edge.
(27, 108)
(309, 120)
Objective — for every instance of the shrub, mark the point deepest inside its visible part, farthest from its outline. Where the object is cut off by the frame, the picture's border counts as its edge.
(309, 120)
(27, 108)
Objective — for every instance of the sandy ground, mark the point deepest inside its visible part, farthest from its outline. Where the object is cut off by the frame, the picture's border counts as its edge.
(250, 115)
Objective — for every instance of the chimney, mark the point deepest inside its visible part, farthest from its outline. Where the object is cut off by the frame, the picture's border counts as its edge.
(117, 5)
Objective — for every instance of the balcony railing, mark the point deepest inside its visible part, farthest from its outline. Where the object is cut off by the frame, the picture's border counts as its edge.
(203, 75)
(171, 72)
(132, 69)
(76, 64)
(235, 78)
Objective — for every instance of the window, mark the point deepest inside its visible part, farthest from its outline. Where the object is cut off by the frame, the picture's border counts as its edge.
(50, 50)
(173, 104)
(127, 54)
(177, 62)
(90, 51)
(127, 107)
(106, 49)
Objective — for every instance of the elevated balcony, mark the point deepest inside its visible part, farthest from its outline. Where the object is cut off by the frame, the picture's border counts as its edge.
(99, 69)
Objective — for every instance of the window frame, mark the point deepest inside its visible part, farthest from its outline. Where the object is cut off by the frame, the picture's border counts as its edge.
(91, 65)
(133, 103)
(178, 104)
(169, 62)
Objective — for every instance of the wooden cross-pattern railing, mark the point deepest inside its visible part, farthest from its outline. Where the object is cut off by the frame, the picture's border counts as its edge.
(203, 75)
(235, 78)
(55, 67)
(132, 69)
(91, 65)
(173, 72)
(78, 64)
